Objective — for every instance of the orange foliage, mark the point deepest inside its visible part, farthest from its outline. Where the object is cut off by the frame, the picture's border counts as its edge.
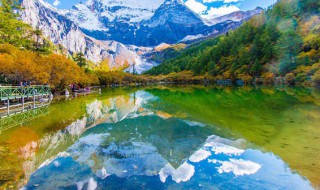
(56, 70)
(268, 78)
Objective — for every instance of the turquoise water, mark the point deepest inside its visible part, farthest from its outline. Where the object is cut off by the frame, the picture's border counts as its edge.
(149, 152)
(175, 138)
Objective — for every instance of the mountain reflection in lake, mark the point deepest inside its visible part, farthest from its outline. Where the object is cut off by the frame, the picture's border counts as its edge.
(174, 139)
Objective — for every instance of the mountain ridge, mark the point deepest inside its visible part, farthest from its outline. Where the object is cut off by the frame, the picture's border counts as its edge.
(119, 42)
(236, 16)
(62, 31)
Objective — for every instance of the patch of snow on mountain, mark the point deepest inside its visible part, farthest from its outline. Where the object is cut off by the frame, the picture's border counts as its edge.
(85, 17)
(95, 14)
(192, 37)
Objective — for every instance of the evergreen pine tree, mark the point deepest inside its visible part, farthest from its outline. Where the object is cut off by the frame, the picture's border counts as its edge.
(80, 60)
(13, 30)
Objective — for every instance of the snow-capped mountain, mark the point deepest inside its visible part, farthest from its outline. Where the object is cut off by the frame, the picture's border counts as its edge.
(167, 21)
(97, 14)
(120, 32)
(62, 31)
(140, 22)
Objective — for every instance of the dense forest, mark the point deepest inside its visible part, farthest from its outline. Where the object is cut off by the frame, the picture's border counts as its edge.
(282, 42)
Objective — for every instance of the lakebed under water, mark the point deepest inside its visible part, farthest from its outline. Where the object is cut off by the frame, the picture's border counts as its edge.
(168, 138)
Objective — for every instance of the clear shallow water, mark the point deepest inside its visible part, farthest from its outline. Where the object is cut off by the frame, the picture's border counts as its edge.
(169, 138)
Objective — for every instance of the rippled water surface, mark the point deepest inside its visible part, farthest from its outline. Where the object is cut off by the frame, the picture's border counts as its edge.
(167, 138)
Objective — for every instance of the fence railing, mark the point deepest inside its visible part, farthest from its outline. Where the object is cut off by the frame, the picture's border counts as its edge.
(18, 99)
(12, 92)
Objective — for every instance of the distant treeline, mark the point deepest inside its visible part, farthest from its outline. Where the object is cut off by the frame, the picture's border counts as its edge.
(282, 41)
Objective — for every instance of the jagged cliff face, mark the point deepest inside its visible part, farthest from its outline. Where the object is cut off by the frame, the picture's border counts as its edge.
(120, 31)
(61, 30)
(143, 23)
(56, 27)
(98, 14)
(169, 23)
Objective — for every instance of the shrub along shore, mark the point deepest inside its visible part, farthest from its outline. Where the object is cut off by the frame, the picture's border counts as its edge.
(60, 72)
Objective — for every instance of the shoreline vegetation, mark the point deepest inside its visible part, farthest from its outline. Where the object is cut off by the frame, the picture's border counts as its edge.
(280, 46)
(59, 72)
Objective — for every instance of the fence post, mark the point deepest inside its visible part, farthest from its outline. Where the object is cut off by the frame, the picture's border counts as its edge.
(8, 106)
(22, 103)
(34, 99)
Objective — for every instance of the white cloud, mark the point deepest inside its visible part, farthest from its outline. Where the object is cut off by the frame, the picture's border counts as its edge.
(237, 167)
(210, 1)
(200, 155)
(220, 11)
(56, 163)
(230, 1)
(92, 184)
(196, 6)
(56, 2)
(225, 1)
(181, 174)
(220, 148)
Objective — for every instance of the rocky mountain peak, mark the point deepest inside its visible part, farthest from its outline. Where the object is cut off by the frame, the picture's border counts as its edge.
(122, 31)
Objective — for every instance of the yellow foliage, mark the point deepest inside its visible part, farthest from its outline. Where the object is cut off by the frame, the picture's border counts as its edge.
(309, 24)
(268, 77)
(312, 54)
(316, 79)
(56, 70)
(246, 78)
(302, 69)
(258, 20)
(104, 66)
(289, 78)
(227, 75)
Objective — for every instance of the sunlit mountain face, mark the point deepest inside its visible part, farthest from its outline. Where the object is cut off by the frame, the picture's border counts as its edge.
(122, 32)
(136, 11)
(205, 8)
(102, 18)
(140, 139)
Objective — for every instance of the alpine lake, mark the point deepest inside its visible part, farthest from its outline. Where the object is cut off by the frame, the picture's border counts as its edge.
(167, 137)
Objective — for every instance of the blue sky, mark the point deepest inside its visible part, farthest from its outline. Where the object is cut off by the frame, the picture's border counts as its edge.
(251, 4)
(214, 8)
(205, 7)
(64, 4)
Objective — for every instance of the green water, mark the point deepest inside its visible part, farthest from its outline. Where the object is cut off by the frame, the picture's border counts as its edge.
(278, 129)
